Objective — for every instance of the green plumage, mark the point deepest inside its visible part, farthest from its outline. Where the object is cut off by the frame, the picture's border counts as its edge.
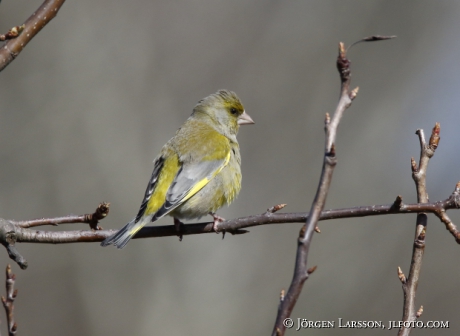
(198, 170)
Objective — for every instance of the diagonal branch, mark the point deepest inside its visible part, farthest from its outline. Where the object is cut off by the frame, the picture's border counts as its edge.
(36, 22)
(301, 273)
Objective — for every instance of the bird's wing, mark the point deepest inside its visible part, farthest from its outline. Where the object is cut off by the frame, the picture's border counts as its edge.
(159, 163)
(173, 182)
(190, 179)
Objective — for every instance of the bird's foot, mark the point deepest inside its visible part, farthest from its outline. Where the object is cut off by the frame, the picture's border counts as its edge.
(217, 220)
(178, 226)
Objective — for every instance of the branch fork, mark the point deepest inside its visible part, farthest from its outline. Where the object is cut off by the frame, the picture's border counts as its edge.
(10, 231)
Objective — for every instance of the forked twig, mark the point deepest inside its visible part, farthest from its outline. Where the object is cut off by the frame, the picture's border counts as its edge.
(12, 231)
(301, 273)
(410, 283)
(92, 219)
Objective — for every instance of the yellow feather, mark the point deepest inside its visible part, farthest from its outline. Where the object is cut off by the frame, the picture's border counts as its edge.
(167, 175)
(134, 230)
(200, 184)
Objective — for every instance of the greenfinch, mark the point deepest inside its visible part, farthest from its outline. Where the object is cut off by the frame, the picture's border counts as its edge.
(198, 170)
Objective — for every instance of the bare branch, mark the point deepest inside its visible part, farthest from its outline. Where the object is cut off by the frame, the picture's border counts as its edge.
(8, 239)
(8, 302)
(12, 232)
(62, 237)
(301, 273)
(39, 19)
(410, 312)
(92, 219)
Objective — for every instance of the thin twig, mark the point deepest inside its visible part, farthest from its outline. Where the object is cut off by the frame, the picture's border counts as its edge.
(92, 219)
(8, 302)
(39, 19)
(11, 231)
(442, 215)
(410, 312)
(301, 273)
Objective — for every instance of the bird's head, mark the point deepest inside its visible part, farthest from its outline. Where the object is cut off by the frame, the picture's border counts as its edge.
(225, 111)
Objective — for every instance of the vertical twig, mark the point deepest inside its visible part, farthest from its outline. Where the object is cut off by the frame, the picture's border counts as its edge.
(11, 294)
(409, 284)
(301, 273)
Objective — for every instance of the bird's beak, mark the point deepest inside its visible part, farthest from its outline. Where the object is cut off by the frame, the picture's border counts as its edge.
(245, 119)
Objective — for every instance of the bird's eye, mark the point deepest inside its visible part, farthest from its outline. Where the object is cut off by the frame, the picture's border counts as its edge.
(233, 110)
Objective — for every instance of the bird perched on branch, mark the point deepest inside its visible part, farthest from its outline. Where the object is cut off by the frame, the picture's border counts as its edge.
(198, 170)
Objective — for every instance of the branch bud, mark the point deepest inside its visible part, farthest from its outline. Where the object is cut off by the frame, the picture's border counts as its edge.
(311, 270)
(434, 139)
(327, 119)
(401, 276)
(398, 202)
(276, 208)
(343, 64)
(422, 234)
(12, 33)
(302, 232)
(419, 312)
(413, 165)
(353, 93)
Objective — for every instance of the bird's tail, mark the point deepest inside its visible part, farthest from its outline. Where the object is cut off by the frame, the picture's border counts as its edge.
(122, 237)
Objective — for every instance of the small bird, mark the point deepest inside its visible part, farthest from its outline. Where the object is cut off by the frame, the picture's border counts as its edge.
(198, 170)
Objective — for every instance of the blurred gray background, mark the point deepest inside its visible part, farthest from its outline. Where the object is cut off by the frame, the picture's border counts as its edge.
(92, 99)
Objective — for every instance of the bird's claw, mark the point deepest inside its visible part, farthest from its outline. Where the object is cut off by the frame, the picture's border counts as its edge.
(178, 226)
(217, 220)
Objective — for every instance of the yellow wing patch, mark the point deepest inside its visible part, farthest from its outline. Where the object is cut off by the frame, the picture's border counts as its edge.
(166, 178)
(158, 206)
(200, 184)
